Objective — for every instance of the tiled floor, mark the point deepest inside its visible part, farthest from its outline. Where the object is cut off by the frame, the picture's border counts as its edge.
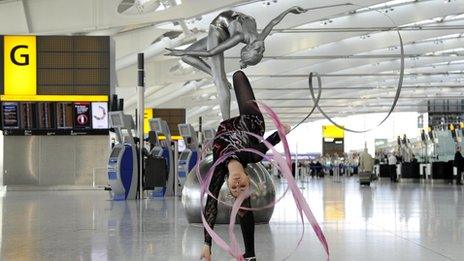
(406, 221)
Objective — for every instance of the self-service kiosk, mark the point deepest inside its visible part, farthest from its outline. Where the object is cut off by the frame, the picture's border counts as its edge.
(122, 164)
(161, 148)
(188, 157)
(208, 135)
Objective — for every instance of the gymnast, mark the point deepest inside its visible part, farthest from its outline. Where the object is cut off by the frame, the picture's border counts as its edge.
(231, 137)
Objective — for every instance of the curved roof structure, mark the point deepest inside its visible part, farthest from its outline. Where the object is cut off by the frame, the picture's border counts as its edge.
(354, 47)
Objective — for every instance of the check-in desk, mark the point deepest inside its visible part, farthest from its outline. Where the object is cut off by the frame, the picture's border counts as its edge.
(410, 170)
(386, 170)
(442, 170)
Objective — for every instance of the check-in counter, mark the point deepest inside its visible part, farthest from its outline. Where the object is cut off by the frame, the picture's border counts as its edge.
(386, 170)
(410, 170)
(442, 170)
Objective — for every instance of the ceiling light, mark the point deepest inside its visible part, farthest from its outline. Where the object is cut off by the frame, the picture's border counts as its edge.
(268, 3)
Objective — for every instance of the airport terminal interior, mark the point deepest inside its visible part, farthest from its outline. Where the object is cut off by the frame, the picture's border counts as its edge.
(231, 130)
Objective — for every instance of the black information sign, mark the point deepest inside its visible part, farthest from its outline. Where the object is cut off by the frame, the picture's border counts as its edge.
(10, 115)
(64, 115)
(54, 132)
(82, 115)
(46, 115)
(28, 115)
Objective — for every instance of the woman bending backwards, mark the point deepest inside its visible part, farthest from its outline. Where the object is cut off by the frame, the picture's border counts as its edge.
(230, 137)
(227, 30)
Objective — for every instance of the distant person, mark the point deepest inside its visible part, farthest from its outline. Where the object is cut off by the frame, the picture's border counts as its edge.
(318, 168)
(366, 162)
(459, 164)
(312, 169)
(392, 162)
(293, 168)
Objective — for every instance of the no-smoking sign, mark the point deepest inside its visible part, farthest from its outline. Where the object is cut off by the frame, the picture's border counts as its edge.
(82, 115)
(82, 119)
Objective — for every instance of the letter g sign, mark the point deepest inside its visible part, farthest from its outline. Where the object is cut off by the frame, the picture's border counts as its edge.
(20, 64)
(25, 57)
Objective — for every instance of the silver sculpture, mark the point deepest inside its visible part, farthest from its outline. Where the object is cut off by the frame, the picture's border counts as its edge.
(227, 30)
(260, 182)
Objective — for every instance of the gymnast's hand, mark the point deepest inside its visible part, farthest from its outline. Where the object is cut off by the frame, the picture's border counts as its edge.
(297, 10)
(175, 52)
(206, 253)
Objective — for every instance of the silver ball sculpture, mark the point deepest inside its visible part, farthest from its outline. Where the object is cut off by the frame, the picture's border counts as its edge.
(261, 184)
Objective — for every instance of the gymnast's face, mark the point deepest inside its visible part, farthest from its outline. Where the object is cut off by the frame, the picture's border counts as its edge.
(237, 181)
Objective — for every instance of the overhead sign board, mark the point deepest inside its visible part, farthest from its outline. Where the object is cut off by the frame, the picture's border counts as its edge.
(54, 68)
(20, 65)
(332, 131)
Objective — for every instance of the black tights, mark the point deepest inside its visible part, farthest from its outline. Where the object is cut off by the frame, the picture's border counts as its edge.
(246, 105)
(245, 96)
(247, 224)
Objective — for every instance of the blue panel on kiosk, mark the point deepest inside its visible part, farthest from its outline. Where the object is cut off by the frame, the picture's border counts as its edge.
(119, 197)
(166, 157)
(158, 192)
(126, 169)
(112, 175)
(193, 160)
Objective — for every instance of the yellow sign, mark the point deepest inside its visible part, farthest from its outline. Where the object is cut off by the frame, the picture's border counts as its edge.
(53, 98)
(147, 115)
(172, 138)
(332, 131)
(20, 65)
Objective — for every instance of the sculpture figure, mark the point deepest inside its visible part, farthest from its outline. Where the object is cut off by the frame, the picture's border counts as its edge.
(227, 30)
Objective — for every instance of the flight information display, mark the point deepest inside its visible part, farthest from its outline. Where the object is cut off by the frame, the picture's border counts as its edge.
(54, 118)
(73, 65)
(10, 115)
(64, 115)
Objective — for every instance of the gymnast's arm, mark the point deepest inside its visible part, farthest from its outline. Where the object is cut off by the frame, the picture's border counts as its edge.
(267, 30)
(251, 157)
(222, 47)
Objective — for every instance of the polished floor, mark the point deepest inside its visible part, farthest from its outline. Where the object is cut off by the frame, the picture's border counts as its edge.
(406, 221)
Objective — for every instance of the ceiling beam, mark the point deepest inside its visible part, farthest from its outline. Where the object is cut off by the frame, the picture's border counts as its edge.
(27, 16)
(359, 98)
(353, 75)
(355, 56)
(364, 88)
(368, 29)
